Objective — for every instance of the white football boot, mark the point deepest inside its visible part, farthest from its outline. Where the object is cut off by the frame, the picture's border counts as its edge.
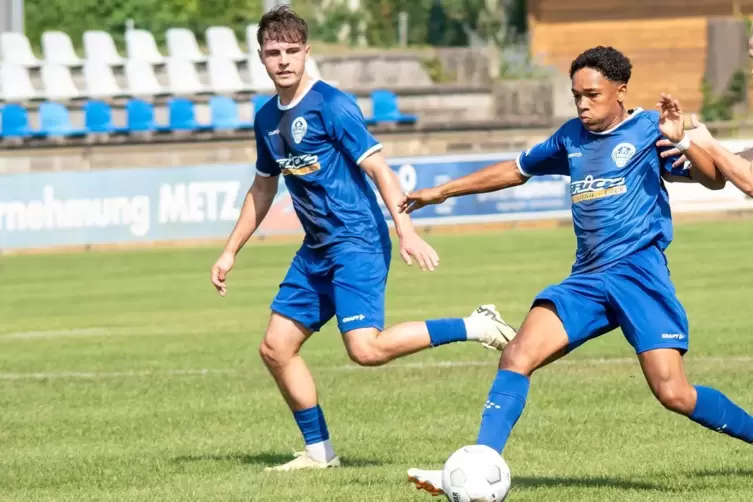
(486, 325)
(302, 460)
(429, 481)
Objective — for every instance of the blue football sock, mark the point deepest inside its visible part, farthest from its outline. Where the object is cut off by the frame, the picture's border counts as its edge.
(715, 411)
(503, 408)
(312, 424)
(442, 331)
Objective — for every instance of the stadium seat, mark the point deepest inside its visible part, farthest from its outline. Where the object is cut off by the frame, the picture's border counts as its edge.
(259, 100)
(312, 69)
(57, 47)
(15, 121)
(140, 117)
(15, 48)
(183, 115)
(54, 120)
(260, 81)
(225, 114)
(183, 77)
(386, 109)
(100, 47)
(100, 81)
(222, 42)
(98, 118)
(181, 44)
(141, 79)
(15, 83)
(141, 46)
(58, 82)
(224, 76)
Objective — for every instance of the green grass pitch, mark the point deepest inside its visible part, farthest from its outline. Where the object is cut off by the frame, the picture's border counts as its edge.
(123, 376)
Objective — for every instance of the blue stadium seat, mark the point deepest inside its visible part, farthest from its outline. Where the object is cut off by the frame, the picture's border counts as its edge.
(258, 101)
(183, 116)
(15, 121)
(140, 117)
(54, 120)
(98, 118)
(386, 109)
(225, 114)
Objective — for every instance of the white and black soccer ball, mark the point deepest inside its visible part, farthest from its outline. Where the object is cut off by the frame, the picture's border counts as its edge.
(476, 473)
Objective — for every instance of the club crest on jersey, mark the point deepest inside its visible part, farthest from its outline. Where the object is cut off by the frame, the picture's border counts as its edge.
(622, 154)
(298, 129)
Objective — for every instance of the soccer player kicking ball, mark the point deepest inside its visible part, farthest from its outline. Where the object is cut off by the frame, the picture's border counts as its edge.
(315, 136)
(622, 221)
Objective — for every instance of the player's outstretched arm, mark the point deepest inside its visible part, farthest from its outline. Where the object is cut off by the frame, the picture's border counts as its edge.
(411, 244)
(671, 125)
(255, 207)
(489, 179)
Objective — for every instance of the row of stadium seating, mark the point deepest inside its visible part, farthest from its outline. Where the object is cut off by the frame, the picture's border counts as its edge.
(57, 47)
(97, 74)
(54, 118)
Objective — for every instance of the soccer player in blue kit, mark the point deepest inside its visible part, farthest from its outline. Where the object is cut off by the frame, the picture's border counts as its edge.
(315, 137)
(621, 217)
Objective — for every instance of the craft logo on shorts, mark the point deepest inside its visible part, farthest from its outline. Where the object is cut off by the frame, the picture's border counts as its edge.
(596, 188)
(622, 154)
(298, 129)
(299, 165)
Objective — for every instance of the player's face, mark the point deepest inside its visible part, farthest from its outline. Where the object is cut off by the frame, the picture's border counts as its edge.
(597, 99)
(285, 61)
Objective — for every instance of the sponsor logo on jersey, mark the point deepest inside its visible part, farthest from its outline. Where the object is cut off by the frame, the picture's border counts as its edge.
(298, 129)
(596, 188)
(299, 165)
(622, 154)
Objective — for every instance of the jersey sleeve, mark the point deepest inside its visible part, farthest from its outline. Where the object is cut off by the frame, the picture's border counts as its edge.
(547, 157)
(666, 163)
(347, 127)
(265, 163)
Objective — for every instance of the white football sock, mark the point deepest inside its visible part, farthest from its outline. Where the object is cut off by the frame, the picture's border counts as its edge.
(475, 326)
(321, 451)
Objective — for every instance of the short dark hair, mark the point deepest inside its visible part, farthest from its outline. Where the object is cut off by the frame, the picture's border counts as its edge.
(281, 24)
(608, 61)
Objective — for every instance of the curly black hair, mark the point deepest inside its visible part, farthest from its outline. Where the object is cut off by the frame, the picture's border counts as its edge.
(608, 61)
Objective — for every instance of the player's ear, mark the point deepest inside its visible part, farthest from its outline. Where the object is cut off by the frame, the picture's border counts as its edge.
(307, 50)
(622, 93)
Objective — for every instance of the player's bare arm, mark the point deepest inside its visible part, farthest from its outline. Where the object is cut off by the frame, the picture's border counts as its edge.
(703, 167)
(411, 244)
(255, 207)
(489, 179)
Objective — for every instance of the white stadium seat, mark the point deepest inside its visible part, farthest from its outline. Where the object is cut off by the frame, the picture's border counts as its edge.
(99, 46)
(15, 48)
(141, 46)
(58, 82)
(15, 83)
(182, 44)
(183, 77)
(57, 47)
(141, 79)
(100, 81)
(224, 76)
(222, 42)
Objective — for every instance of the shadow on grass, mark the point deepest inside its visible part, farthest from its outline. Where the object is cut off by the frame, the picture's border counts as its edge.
(743, 473)
(583, 482)
(271, 459)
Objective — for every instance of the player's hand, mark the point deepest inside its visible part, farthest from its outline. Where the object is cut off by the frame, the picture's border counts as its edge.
(699, 134)
(412, 246)
(671, 119)
(220, 270)
(420, 198)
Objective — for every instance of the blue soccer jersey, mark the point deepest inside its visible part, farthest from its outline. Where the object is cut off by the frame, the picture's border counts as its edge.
(619, 202)
(317, 144)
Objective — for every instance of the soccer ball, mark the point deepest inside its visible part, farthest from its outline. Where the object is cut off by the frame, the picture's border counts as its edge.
(476, 473)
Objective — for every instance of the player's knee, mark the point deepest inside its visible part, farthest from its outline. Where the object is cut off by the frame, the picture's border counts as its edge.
(365, 353)
(516, 357)
(676, 396)
(274, 353)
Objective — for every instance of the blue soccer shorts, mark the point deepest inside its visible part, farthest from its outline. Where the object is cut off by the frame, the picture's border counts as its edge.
(349, 285)
(636, 295)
